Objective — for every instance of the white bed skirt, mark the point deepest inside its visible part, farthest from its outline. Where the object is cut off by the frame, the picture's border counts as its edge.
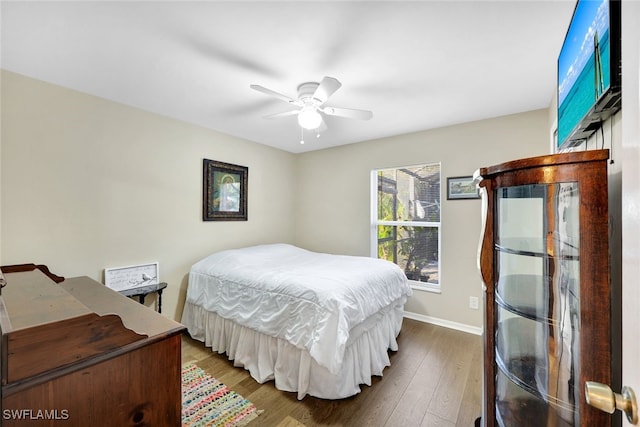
(268, 358)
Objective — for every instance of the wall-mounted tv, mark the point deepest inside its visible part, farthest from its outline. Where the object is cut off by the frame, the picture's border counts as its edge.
(589, 79)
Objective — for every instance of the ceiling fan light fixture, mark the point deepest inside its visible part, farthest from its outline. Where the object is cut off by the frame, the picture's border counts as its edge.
(311, 105)
(309, 118)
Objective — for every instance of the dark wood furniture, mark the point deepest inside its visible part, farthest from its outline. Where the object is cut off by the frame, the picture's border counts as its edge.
(78, 353)
(142, 291)
(544, 260)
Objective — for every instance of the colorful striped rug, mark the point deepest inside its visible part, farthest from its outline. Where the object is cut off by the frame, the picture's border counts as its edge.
(208, 402)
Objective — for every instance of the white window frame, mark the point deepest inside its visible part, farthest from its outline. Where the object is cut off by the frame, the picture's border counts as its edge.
(422, 286)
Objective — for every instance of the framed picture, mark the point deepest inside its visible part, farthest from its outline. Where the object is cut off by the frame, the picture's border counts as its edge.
(461, 187)
(225, 191)
(133, 276)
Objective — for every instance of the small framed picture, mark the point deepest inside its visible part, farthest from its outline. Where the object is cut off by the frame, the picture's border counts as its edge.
(461, 187)
(225, 191)
(133, 276)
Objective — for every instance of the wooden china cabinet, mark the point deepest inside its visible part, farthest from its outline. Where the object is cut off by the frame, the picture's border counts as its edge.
(544, 259)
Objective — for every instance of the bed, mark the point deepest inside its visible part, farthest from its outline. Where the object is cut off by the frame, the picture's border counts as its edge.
(317, 324)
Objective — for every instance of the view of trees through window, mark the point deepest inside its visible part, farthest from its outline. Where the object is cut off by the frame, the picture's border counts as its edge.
(408, 220)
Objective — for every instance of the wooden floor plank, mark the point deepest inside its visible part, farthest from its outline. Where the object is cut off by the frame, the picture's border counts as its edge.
(413, 404)
(435, 421)
(276, 404)
(425, 362)
(472, 398)
(450, 390)
(290, 422)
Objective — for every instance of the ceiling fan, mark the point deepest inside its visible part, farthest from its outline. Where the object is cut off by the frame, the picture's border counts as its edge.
(310, 103)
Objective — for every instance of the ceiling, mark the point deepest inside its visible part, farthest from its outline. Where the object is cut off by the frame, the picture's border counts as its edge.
(415, 65)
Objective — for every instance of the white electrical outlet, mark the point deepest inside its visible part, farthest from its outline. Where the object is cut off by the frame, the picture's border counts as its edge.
(474, 303)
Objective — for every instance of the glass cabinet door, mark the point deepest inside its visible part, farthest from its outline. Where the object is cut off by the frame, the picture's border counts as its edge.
(537, 330)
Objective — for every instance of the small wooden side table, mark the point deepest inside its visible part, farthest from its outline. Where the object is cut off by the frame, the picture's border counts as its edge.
(143, 291)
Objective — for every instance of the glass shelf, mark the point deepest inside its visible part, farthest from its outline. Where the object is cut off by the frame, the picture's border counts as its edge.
(521, 355)
(537, 357)
(534, 296)
(560, 248)
(517, 407)
(525, 295)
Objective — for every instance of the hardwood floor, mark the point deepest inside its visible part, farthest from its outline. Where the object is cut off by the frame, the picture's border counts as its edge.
(435, 379)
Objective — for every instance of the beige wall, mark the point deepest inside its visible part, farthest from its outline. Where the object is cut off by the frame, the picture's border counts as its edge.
(333, 198)
(88, 184)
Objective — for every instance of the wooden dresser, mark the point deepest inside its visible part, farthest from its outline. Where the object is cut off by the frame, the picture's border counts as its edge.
(76, 353)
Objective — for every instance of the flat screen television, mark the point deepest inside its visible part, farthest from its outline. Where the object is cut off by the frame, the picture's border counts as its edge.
(589, 71)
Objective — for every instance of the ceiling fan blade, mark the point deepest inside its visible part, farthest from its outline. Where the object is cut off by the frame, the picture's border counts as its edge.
(348, 113)
(322, 127)
(273, 93)
(326, 88)
(282, 114)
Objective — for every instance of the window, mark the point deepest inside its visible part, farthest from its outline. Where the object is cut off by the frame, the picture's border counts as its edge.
(406, 221)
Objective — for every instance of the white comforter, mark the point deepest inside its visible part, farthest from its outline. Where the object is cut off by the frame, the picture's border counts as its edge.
(310, 299)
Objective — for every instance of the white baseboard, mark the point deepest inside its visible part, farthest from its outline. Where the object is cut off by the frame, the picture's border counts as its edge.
(446, 323)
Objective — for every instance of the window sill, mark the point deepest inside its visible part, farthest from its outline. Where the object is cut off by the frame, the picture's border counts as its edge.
(425, 287)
